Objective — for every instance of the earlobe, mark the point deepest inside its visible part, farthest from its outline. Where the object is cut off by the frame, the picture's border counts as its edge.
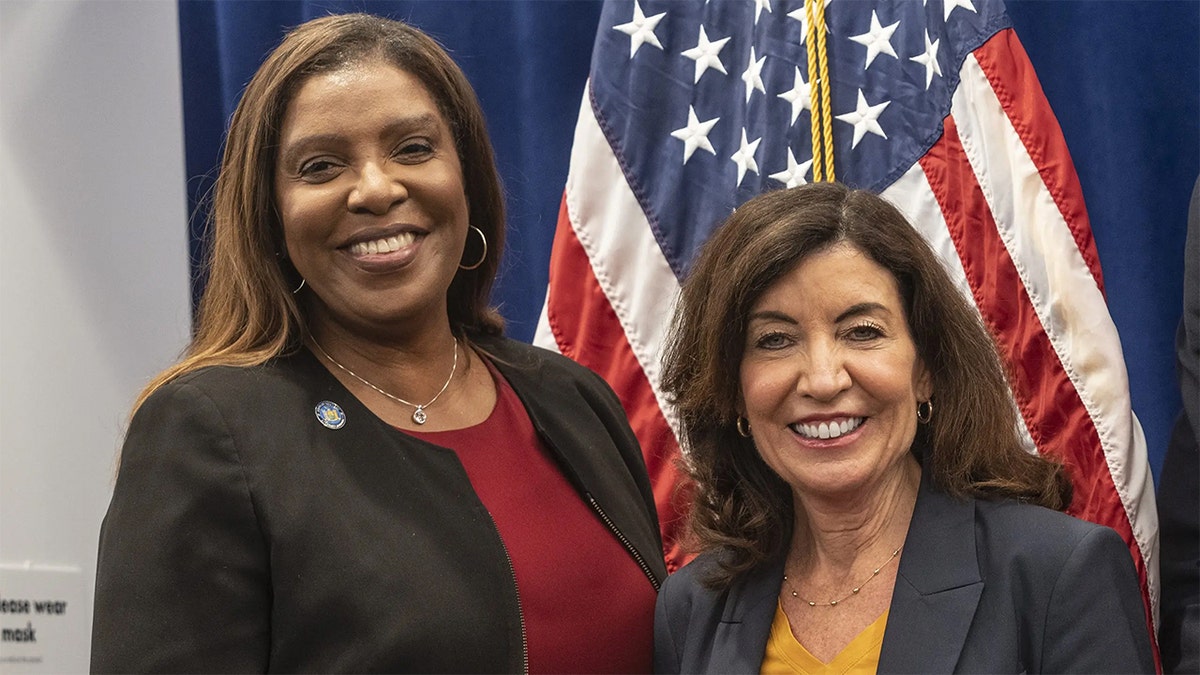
(924, 383)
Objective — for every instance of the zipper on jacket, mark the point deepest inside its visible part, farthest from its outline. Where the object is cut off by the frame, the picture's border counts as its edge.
(624, 541)
(512, 572)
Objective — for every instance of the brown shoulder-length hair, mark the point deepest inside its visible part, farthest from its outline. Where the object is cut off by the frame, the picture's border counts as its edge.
(972, 444)
(248, 313)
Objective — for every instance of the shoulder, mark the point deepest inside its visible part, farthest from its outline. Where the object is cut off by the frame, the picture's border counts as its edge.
(1074, 584)
(238, 393)
(1005, 532)
(278, 373)
(688, 588)
(685, 602)
(1041, 553)
(724, 630)
(685, 616)
(688, 581)
(535, 372)
(1011, 544)
(522, 357)
(1035, 533)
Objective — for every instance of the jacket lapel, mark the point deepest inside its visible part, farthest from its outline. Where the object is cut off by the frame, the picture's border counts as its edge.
(741, 637)
(582, 436)
(937, 587)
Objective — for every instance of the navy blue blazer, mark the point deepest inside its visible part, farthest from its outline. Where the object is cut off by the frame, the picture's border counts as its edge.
(983, 587)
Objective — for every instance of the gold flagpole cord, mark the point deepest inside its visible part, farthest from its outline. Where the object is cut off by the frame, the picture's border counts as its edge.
(821, 128)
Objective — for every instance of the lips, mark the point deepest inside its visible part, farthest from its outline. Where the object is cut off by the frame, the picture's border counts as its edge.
(385, 251)
(382, 245)
(829, 429)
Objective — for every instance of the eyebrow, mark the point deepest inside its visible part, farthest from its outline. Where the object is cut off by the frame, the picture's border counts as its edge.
(770, 315)
(860, 309)
(421, 121)
(850, 312)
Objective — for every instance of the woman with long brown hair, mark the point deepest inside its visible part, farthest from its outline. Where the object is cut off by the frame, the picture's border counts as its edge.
(863, 499)
(351, 469)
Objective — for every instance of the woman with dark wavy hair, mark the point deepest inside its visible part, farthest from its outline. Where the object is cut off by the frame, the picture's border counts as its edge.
(863, 500)
(351, 470)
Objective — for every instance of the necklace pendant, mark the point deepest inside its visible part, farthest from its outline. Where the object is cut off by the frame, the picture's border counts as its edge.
(419, 415)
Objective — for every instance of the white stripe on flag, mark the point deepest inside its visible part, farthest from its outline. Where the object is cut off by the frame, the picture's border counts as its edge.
(1064, 295)
(626, 260)
(914, 197)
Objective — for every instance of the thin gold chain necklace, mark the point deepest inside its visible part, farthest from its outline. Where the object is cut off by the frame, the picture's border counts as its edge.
(852, 593)
(419, 416)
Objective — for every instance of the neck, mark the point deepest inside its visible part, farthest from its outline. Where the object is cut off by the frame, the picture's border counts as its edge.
(407, 346)
(414, 367)
(870, 525)
(416, 335)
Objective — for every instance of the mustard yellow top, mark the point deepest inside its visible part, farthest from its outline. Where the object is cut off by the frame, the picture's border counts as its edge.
(786, 655)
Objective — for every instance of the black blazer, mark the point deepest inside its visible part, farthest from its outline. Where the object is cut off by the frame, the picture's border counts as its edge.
(1179, 480)
(243, 535)
(983, 587)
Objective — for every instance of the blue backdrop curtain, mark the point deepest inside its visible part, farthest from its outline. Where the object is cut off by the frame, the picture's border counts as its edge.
(1122, 77)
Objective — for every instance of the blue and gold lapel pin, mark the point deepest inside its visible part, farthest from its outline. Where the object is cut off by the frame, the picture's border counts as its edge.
(330, 415)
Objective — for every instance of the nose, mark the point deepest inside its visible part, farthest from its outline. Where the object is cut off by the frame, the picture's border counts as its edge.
(824, 374)
(379, 187)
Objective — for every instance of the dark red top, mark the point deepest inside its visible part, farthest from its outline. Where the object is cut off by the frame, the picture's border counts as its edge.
(587, 605)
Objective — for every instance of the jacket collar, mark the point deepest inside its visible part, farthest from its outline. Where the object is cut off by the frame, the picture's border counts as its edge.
(937, 587)
(937, 590)
(558, 408)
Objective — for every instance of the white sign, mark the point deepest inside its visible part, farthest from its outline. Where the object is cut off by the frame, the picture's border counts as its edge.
(43, 618)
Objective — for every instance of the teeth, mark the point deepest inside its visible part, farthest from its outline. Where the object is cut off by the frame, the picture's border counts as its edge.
(385, 245)
(826, 430)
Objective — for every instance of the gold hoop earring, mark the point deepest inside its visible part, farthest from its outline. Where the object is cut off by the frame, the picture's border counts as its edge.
(924, 412)
(482, 257)
(743, 427)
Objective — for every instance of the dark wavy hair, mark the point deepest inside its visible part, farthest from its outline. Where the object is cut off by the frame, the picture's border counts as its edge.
(972, 445)
(248, 314)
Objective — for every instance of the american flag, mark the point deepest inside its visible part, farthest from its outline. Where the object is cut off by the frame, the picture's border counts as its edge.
(692, 107)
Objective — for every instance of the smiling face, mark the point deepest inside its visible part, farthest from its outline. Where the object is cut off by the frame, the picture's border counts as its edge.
(830, 377)
(369, 189)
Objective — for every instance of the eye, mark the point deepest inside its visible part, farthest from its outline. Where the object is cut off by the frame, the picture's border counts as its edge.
(413, 150)
(772, 341)
(319, 170)
(864, 332)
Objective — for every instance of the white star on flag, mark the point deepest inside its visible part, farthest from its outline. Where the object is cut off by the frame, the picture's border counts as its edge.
(753, 75)
(794, 174)
(864, 118)
(802, 16)
(744, 157)
(759, 6)
(929, 60)
(641, 29)
(878, 39)
(695, 134)
(949, 6)
(706, 54)
(800, 96)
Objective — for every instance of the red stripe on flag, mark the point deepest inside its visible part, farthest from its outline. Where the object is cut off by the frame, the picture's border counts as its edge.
(1010, 72)
(1056, 417)
(1012, 77)
(587, 330)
